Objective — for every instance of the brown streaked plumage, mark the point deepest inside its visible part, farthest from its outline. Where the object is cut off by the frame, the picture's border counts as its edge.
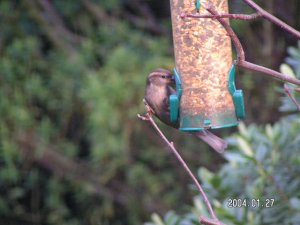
(158, 89)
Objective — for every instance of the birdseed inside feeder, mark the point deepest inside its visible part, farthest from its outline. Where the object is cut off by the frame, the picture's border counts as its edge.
(206, 96)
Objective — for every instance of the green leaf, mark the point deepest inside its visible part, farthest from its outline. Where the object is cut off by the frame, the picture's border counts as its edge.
(157, 219)
(245, 147)
(286, 69)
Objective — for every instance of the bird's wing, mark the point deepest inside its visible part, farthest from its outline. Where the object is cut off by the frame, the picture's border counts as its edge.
(171, 90)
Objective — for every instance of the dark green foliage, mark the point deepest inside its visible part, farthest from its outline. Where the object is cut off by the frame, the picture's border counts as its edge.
(72, 149)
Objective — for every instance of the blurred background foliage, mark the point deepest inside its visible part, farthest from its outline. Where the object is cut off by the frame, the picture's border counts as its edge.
(72, 150)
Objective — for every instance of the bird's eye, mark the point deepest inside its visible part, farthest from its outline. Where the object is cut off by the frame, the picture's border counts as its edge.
(163, 77)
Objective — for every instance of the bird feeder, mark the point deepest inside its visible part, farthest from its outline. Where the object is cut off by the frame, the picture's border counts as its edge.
(206, 97)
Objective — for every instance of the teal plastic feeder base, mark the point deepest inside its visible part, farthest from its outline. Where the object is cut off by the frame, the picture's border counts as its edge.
(217, 119)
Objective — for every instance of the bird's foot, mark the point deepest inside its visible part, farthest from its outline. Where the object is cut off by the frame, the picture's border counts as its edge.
(149, 112)
(146, 117)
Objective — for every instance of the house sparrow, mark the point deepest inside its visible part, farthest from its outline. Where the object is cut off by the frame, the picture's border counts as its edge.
(158, 89)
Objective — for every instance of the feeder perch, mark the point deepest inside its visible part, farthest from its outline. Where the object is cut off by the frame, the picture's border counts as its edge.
(206, 96)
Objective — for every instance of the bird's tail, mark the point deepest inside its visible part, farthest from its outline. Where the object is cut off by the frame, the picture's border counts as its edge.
(218, 144)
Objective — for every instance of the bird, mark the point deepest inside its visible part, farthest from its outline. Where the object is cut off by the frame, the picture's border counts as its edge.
(159, 87)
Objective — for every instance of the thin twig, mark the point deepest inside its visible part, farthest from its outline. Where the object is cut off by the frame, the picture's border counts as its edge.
(260, 12)
(222, 15)
(207, 221)
(273, 73)
(148, 117)
(241, 55)
(288, 91)
(230, 32)
(272, 18)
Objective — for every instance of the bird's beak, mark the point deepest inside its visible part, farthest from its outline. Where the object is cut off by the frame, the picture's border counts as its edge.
(172, 79)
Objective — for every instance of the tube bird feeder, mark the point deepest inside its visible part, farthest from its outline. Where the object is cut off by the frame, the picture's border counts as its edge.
(206, 97)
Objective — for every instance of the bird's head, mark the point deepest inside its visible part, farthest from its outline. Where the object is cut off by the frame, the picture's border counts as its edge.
(161, 77)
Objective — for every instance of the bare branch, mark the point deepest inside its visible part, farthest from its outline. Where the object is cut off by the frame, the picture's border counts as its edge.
(272, 18)
(230, 32)
(223, 15)
(241, 55)
(260, 12)
(207, 221)
(226, 25)
(273, 73)
(288, 91)
(148, 117)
